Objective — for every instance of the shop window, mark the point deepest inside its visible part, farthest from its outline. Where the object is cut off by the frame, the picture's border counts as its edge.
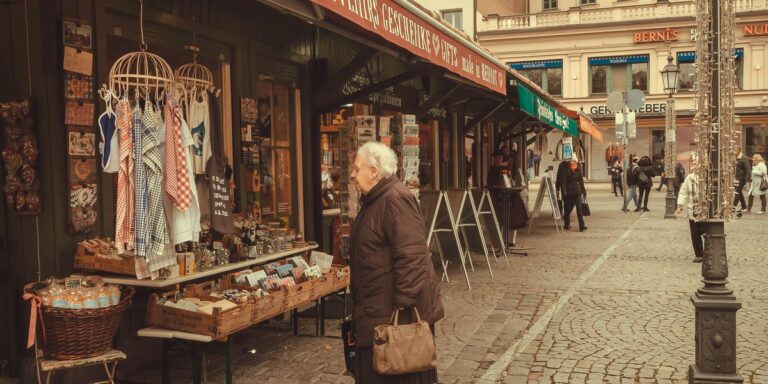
(550, 5)
(756, 140)
(687, 77)
(657, 144)
(549, 79)
(454, 17)
(275, 109)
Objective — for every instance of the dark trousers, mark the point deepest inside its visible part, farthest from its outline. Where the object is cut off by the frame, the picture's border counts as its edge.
(751, 200)
(617, 185)
(738, 197)
(697, 230)
(643, 200)
(571, 202)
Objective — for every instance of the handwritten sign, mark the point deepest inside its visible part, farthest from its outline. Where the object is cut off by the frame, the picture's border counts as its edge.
(399, 26)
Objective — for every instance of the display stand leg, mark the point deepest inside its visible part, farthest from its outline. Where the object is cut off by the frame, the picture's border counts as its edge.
(317, 317)
(196, 364)
(443, 260)
(165, 373)
(229, 359)
(322, 316)
(295, 321)
(467, 251)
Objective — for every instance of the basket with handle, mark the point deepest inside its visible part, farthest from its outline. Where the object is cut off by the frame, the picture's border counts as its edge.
(71, 334)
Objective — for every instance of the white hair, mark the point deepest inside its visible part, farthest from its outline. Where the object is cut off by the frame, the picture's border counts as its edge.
(380, 157)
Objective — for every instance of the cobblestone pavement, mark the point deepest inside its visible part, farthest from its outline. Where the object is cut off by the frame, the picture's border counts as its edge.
(610, 305)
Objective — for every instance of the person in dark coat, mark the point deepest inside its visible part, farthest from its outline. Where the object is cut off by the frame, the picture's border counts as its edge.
(616, 172)
(631, 186)
(743, 172)
(644, 184)
(390, 262)
(570, 185)
(679, 178)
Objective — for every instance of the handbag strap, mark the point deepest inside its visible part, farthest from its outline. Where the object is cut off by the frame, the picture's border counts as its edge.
(393, 319)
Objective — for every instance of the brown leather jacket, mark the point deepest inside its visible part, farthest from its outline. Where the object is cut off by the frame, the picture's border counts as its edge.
(390, 263)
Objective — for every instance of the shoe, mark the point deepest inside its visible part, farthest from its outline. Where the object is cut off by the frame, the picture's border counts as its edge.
(638, 209)
(738, 209)
(759, 212)
(646, 210)
(582, 229)
(567, 227)
(624, 210)
(698, 260)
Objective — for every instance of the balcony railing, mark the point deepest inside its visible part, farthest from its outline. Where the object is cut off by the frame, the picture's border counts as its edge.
(606, 15)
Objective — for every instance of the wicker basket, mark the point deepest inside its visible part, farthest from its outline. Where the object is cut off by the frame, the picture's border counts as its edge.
(77, 334)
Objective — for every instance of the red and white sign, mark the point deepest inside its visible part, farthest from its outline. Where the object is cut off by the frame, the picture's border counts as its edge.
(399, 26)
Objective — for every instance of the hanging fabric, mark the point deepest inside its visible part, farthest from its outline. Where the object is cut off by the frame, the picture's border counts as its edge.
(200, 123)
(140, 185)
(217, 169)
(124, 226)
(157, 233)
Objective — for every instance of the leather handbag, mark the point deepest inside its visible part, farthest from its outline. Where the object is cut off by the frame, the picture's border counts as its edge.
(764, 184)
(585, 211)
(403, 348)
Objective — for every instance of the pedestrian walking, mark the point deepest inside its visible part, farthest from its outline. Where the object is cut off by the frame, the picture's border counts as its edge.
(759, 173)
(743, 172)
(631, 186)
(644, 172)
(391, 264)
(679, 178)
(616, 172)
(570, 185)
(685, 200)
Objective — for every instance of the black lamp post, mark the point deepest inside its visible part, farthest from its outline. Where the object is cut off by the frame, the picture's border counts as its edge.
(669, 76)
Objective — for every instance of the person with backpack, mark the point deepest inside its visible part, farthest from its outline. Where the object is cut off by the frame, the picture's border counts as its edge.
(644, 173)
(631, 186)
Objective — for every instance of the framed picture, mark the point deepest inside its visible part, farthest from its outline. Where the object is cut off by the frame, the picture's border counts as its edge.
(82, 144)
(77, 35)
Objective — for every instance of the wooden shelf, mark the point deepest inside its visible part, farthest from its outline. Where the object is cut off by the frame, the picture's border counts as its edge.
(161, 283)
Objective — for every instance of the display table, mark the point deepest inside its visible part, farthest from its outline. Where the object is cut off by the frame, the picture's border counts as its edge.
(196, 340)
(162, 283)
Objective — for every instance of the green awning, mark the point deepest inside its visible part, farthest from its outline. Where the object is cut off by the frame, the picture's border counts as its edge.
(545, 112)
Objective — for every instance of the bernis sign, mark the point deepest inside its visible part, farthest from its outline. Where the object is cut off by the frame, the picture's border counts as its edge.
(401, 27)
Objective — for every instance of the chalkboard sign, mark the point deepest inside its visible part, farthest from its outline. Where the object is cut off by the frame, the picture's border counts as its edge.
(221, 204)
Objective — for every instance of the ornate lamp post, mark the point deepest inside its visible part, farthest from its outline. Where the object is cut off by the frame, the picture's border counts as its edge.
(669, 77)
(715, 303)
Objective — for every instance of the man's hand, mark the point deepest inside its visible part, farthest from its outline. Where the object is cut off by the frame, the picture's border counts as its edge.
(679, 209)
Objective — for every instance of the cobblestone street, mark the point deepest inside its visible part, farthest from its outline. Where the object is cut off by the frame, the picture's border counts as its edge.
(611, 305)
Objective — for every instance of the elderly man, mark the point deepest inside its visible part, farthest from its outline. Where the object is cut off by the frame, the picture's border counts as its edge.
(390, 262)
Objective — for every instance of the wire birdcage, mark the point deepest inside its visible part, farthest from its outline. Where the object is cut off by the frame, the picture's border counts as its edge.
(194, 77)
(146, 74)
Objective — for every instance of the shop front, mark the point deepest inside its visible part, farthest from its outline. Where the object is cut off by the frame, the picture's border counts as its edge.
(291, 90)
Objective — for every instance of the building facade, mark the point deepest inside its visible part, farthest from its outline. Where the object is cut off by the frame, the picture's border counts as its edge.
(580, 51)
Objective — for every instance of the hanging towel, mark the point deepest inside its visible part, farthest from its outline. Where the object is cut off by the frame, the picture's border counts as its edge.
(177, 184)
(200, 124)
(157, 234)
(184, 225)
(110, 151)
(124, 233)
(140, 185)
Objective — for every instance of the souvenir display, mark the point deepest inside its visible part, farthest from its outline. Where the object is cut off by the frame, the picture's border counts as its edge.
(78, 293)
(19, 155)
(79, 113)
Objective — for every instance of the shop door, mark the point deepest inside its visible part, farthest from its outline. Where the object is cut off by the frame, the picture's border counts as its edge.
(276, 127)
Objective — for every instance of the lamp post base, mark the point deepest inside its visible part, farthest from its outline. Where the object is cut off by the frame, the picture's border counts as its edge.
(671, 200)
(716, 307)
(697, 377)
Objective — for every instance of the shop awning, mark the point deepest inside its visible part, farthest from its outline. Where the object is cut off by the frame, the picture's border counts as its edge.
(588, 126)
(404, 24)
(545, 112)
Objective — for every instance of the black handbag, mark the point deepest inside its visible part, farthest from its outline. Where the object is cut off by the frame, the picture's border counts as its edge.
(585, 208)
(348, 339)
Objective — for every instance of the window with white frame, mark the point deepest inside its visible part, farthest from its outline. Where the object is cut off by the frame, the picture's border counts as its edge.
(549, 4)
(454, 17)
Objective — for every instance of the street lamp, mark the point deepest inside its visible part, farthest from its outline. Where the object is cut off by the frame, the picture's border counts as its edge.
(669, 78)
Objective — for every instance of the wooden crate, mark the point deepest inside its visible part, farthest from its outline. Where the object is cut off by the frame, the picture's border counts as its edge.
(88, 260)
(264, 308)
(341, 277)
(323, 286)
(220, 324)
(298, 295)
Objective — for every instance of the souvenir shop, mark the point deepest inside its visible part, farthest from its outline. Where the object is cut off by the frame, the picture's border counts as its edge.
(182, 167)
